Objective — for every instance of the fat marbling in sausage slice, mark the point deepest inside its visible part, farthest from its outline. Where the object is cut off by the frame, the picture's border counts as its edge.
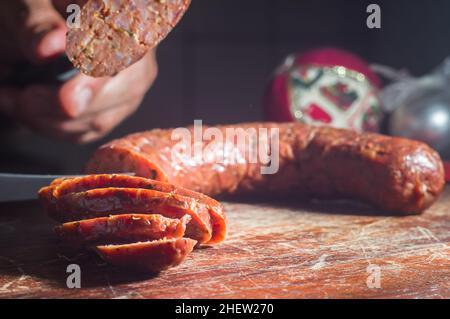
(113, 34)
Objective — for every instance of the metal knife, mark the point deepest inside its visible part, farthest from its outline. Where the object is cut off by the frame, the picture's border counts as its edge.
(55, 72)
(20, 187)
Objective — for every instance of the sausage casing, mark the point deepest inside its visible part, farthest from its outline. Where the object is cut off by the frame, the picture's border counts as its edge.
(394, 174)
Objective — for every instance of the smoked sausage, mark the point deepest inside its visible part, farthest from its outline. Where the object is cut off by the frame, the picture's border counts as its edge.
(394, 174)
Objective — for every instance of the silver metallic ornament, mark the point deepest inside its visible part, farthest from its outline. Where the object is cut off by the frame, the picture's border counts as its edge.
(426, 119)
(420, 108)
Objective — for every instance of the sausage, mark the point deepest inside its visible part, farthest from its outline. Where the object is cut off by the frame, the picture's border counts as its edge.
(114, 34)
(112, 201)
(133, 222)
(121, 229)
(151, 256)
(62, 187)
(394, 174)
(80, 198)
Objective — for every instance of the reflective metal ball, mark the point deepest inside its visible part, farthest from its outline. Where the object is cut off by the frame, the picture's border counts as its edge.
(426, 118)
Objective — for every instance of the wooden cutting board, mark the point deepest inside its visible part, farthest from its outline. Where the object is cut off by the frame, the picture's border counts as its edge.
(295, 250)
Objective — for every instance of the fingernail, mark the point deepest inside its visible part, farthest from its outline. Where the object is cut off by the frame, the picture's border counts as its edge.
(52, 46)
(83, 98)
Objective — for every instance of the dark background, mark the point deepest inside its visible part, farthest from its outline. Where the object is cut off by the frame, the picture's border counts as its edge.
(216, 63)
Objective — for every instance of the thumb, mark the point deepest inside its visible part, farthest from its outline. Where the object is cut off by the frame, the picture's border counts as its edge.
(76, 95)
(44, 33)
(48, 45)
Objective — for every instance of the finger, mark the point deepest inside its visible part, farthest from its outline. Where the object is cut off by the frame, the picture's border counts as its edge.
(80, 130)
(46, 127)
(76, 96)
(59, 129)
(42, 34)
(129, 85)
(65, 127)
(105, 122)
(100, 122)
(109, 117)
(66, 102)
(49, 44)
(84, 95)
(36, 107)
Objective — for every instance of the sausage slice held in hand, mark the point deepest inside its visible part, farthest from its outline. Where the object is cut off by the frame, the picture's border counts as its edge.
(115, 34)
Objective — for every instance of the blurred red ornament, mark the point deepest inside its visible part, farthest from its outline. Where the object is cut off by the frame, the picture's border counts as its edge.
(325, 87)
(447, 171)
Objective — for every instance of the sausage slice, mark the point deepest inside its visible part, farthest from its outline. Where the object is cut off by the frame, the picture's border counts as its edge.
(103, 202)
(115, 34)
(132, 222)
(93, 196)
(121, 229)
(152, 256)
(62, 187)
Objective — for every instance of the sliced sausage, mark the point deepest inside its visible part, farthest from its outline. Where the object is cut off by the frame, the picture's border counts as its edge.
(103, 202)
(153, 256)
(131, 221)
(93, 196)
(121, 229)
(62, 187)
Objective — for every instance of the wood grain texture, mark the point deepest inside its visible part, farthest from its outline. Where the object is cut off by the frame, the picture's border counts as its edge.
(295, 250)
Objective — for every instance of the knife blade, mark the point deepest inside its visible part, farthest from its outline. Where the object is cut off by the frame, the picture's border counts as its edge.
(21, 187)
(55, 72)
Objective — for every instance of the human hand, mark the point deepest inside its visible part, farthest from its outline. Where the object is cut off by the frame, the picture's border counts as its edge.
(82, 109)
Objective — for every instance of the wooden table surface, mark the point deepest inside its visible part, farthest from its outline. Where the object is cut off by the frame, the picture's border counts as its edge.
(295, 250)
